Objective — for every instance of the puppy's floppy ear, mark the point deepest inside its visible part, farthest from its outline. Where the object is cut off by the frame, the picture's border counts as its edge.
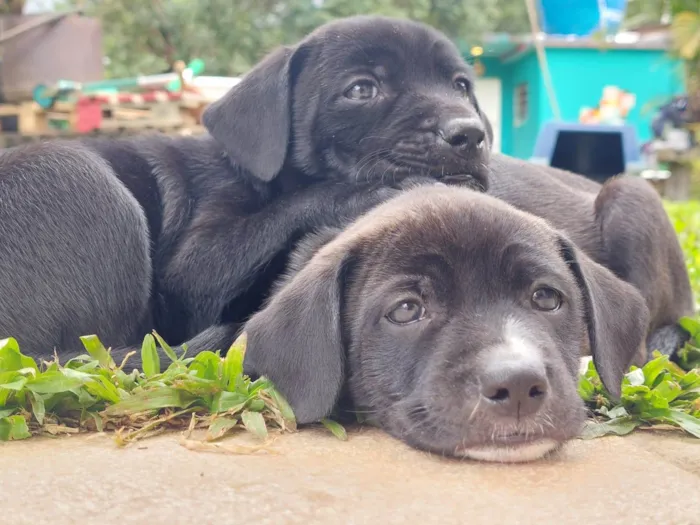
(252, 121)
(616, 315)
(296, 340)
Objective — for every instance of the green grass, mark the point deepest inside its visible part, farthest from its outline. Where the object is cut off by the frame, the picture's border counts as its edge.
(211, 393)
(686, 220)
(92, 392)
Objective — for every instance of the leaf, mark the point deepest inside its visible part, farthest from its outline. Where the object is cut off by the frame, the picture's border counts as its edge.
(653, 369)
(207, 365)
(619, 426)
(262, 383)
(103, 389)
(255, 423)
(233, 362)
(336, 429)
(163, 397)
(13, 428)
(166, 347)
(685, 32)
(38, 408)
(149, 356)
(586, 389)
(99, 424)
(228, 401)
(618, 411)
(283, 406)
(669, 390)
(6, 412)
(635, 377)
(687, 422)
(54, 382)
(690, 325)
(256, 405)
(690, 380)
(96, 349)
(220, 426)
(11, 359)
(689, 357)
(17, 384)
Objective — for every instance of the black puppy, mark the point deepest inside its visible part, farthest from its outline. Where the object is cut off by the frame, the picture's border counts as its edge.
(116, 237)
(454, 321)
(621, 224)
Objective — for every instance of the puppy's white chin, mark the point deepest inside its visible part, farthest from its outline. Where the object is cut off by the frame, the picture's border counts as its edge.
(510, 454)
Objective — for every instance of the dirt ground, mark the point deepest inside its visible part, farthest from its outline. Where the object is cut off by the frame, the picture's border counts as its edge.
(312, 477)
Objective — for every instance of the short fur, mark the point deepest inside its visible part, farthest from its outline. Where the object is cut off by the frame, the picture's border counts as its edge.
(473, 262)
(116, 237)
(621, 224)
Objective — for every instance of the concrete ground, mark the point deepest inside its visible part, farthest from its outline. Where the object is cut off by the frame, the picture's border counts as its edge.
(314, 478)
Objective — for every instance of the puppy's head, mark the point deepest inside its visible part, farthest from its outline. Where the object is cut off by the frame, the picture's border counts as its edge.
(362, 98)
(456, 324)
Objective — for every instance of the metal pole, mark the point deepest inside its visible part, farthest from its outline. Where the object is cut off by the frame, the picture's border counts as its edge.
(542, 59)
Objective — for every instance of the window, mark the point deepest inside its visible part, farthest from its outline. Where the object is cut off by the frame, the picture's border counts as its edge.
(520, 104)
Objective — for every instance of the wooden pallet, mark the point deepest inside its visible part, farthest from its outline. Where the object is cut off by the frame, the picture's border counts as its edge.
(102, 115)
(30, 119)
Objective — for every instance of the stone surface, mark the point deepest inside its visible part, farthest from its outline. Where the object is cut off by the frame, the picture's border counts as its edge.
(314, 478)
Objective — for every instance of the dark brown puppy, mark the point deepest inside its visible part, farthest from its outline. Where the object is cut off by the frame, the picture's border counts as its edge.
(451, 320)
(117, 237)
(621, 224)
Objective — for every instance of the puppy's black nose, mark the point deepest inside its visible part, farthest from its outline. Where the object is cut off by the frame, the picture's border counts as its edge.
(463, 132)
(514, 389)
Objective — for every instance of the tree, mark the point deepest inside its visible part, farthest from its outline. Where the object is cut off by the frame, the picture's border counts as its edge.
(11, 7)
(147, 37)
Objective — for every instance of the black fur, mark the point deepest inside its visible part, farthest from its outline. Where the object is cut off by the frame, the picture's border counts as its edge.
(621, 224)
(473, 262)
(116, 237)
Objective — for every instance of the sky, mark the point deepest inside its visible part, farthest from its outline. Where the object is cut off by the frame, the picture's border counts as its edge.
(38, 6)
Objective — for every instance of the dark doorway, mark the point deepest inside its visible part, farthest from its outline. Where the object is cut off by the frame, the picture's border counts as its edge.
(596, 155)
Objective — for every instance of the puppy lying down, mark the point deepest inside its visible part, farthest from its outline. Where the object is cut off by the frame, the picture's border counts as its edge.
(451, 320)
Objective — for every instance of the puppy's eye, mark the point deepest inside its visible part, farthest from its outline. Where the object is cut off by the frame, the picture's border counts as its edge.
(406, 312)
(362, 90)
(462, 85)
(546, 299)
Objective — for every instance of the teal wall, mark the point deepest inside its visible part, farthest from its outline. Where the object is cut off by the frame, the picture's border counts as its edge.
(579, 76)
(524, 135)
(518, 141)
(495, 68)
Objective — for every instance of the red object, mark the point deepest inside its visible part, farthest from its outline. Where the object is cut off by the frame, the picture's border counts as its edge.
(89, 107)
(89, 116)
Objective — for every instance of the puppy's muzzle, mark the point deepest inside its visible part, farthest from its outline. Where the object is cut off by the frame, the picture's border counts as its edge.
(462, 134)
(514, 389)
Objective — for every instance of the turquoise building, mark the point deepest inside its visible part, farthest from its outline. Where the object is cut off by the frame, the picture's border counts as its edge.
(512, 92)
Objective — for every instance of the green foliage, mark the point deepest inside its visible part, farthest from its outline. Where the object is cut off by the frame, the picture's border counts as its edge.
(147, 37)
(91, 392)
(685, 218)
(659, 393)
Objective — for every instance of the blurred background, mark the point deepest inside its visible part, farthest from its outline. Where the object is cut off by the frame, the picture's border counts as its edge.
(596, 86)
